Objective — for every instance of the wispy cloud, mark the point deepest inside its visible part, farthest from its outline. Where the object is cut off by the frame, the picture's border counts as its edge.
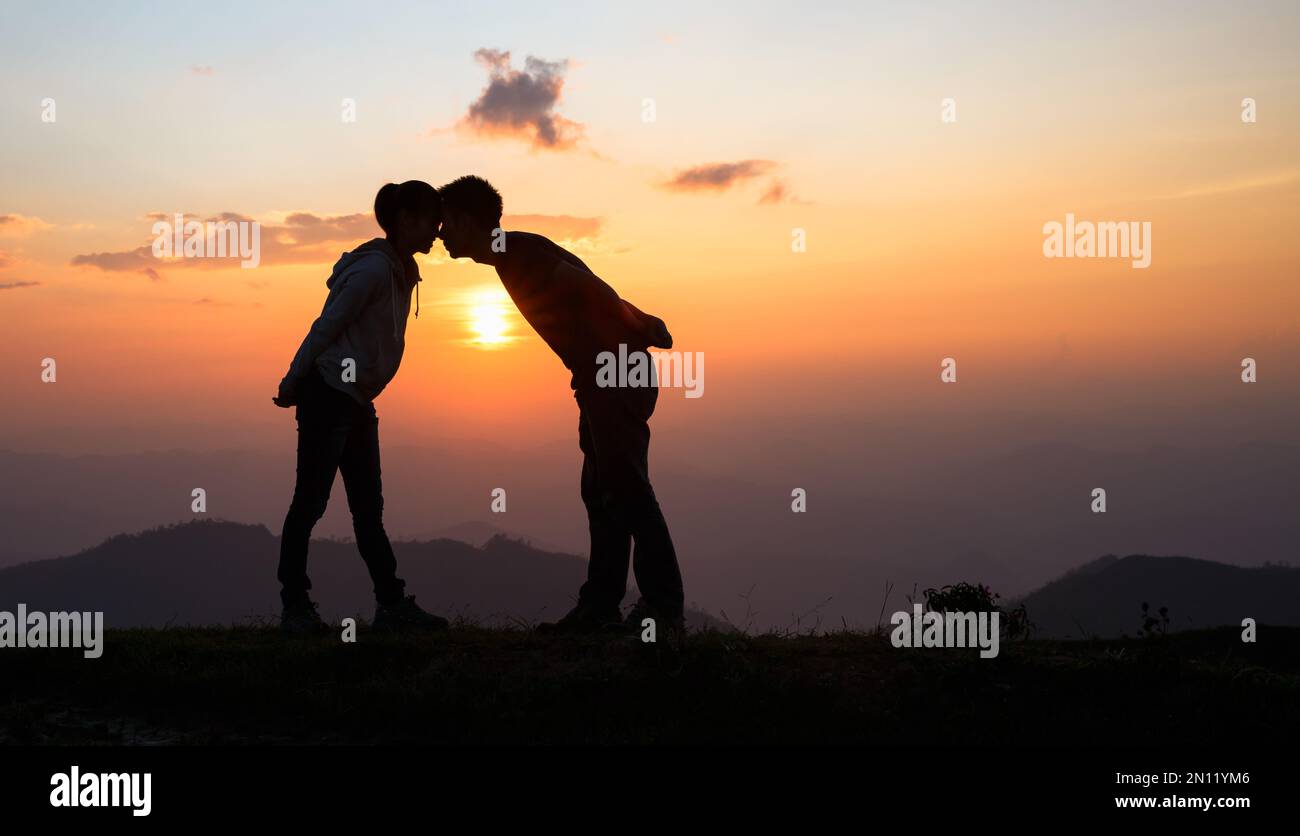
(584, 236)
(16, 285)
(201, 69)
(302, 237)
(139, 260)
(556, 227)
(719, 177)
(779, 192)
(20, 226)
(295, 237)
(521, 104)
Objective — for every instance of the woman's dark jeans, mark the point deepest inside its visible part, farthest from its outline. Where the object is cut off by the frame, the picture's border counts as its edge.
(336, 434)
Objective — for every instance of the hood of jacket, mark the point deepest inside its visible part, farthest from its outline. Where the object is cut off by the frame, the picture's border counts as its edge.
(405, 271)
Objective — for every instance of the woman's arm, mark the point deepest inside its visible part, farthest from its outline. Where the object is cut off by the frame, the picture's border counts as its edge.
(340, 311)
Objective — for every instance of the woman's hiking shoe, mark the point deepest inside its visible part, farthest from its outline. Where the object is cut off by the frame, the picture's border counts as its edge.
(405, 615)
(301, 619)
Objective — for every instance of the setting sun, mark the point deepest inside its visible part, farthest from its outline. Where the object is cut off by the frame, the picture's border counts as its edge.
(488, 315)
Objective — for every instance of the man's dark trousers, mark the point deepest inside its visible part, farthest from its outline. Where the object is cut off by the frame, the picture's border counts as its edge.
(336, 433)
(614, 434)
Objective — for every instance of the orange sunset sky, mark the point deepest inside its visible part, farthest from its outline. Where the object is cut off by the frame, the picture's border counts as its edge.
(924, 237)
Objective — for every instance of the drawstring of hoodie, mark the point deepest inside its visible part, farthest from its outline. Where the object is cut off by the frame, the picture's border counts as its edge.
(392, 283)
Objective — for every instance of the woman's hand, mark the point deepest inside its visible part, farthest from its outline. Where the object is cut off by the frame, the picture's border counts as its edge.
(288, 394)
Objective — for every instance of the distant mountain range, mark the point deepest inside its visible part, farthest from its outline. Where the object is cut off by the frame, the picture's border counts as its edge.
(894, 508)
(1104, 598)
(478, 533)
(216, 572)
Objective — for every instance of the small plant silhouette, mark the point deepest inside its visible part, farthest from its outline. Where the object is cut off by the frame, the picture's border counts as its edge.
(1152, 626)
(967, 597)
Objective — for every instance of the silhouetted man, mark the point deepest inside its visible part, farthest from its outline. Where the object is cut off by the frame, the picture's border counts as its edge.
(579, 316)
(350, 354)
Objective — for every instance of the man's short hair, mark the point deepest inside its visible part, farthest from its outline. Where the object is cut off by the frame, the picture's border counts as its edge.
(475, 197)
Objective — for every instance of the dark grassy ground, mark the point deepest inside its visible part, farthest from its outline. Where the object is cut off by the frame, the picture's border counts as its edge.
(249, 685)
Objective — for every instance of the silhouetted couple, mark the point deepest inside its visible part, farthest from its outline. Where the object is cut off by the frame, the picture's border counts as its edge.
(353, 350)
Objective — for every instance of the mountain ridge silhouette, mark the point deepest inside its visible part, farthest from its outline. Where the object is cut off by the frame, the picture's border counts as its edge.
(1104, 597)
(210, 572)
(214, 571)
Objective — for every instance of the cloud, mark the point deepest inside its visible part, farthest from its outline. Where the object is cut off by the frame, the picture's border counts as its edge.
(18, 226)
(296, 237)
(579, 235)
(16, 285)
(139, 260)
(197, 69)
(308, 238)
(5, 259)
(520, 104)
(718, 176)
(302, 237)
(556, 227)
(776, 193)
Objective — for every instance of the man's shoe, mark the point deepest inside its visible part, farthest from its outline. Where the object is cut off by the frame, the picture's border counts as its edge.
(584, 619)
(666, 622)
(405, 615)
(301, 619)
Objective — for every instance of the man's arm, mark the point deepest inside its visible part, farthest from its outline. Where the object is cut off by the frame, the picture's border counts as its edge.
(601, 298)
(344, 308)
(652, 326)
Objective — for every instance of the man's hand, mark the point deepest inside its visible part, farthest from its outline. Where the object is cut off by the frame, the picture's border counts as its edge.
(288, 395)
(651, 328)
(659, 336)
